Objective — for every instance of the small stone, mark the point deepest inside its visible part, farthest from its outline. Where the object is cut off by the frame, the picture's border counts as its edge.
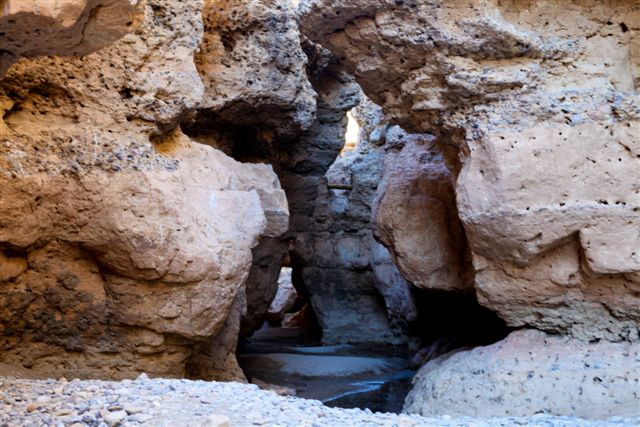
(142, 377)
(133, 409)
(113, 418)
(63, 412)
(32, 407)
(141, 418)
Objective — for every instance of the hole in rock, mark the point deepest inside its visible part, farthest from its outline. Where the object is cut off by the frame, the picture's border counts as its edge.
(448, 321)
(351, 134)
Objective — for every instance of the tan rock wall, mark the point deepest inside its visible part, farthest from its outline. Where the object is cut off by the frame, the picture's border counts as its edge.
(71, 27)
(535, 105)
(125, 243)
(416, 217)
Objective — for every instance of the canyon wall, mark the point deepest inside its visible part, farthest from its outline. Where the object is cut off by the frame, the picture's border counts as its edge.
(159, 159)
(353, 286)
(545, 160)
(534, 107)
(125, 243)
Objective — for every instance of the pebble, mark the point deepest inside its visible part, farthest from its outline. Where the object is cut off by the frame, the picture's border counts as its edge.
(210, 404)
(133, 409)
(113, 418)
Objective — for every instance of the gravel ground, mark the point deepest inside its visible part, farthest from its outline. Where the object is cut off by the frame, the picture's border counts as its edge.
(161, 402)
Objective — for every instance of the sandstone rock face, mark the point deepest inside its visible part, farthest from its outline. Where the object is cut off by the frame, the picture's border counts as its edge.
(253, 68)
(535, 107)
(336, 272)
(215, 359)
(125, 244)
(73, 27)
(416, 217)
(262, 283)
(285, 298)
(529, 373)
(256, 95)
(394, 288)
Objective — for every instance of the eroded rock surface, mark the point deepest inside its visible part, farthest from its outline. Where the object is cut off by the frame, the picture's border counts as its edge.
(74, 27)
(535, 107)
(125, 244)
(285, 298)
(356, 291)
(253, 68)
(529, 373)
(416, 217)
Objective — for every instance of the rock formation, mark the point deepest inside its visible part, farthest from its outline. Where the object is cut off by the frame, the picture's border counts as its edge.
(73, 27)
(354, 287)
(159, 159)
(416, 217)
(534, 108)
(534, 178)
(124, 242)
(537, 375)
(285, 299)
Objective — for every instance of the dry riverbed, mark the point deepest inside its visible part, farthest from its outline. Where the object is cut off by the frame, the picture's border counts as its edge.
(161, 402)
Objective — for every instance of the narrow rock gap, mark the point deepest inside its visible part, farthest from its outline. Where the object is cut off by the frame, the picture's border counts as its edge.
(357, 328)
(214, 198)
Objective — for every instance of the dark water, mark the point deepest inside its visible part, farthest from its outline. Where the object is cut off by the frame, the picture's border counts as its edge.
(380, 390)
(384, 395)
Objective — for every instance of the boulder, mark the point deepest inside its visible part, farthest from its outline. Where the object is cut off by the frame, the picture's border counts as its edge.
(285, 298)
(416, 218)
(530, 373)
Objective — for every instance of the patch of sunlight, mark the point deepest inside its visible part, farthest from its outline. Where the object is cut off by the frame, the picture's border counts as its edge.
(351, 135)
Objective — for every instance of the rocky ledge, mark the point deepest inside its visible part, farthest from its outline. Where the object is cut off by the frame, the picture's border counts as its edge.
(165, 402)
